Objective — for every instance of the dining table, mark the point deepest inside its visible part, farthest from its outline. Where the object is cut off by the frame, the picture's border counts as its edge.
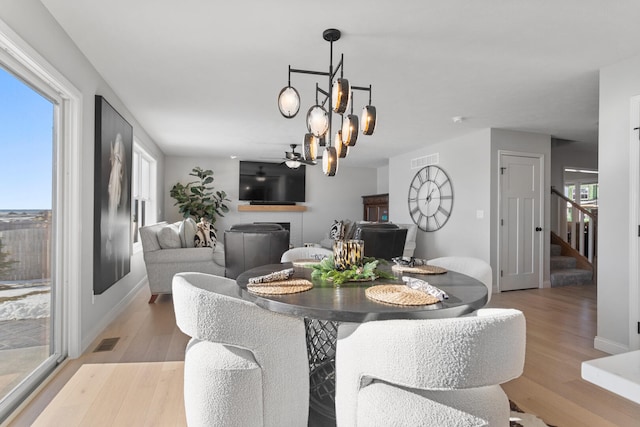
(325, 305)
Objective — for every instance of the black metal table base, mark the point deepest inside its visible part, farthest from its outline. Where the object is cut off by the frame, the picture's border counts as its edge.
(322, 336)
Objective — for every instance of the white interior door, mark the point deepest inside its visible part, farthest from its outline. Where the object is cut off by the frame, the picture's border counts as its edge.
(520, 222)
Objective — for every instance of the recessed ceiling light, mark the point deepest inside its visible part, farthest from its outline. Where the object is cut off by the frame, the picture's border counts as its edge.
(233, 157)
(457, 119)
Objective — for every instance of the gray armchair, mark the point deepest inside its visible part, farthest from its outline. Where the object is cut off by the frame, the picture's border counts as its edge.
(163, 264)
(251, 245)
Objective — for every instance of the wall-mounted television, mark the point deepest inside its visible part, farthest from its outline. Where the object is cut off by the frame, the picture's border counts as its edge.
(271, 183)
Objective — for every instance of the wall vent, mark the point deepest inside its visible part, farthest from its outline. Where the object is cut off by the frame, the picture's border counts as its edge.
(420, 162)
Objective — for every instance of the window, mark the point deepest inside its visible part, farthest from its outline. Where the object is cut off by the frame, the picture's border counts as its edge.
(62, 262)
(143, 209)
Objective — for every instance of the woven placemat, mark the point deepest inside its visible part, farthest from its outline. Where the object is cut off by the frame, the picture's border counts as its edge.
(419, 269)
(281, 287)
(399, 295)
(305, 262)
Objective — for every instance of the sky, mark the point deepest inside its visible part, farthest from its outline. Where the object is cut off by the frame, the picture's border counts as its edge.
(26, 146)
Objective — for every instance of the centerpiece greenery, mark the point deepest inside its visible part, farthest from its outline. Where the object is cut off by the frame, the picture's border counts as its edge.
(326, 270)
(199, 199)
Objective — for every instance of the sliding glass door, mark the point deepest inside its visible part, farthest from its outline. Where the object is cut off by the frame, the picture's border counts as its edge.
(28, 337)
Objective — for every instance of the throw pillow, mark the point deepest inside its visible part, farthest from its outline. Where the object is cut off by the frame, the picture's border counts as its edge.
(336, 232)
(188, 229)
(205, 235)
(169, 238)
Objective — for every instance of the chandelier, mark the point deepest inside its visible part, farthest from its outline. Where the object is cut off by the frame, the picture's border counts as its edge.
(339, 100)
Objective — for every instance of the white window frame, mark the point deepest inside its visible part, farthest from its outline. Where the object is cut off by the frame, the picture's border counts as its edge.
(139, 190)
(19, 57)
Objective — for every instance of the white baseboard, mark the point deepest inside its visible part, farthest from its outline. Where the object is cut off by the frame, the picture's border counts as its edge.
(112, 315)
(609, 346)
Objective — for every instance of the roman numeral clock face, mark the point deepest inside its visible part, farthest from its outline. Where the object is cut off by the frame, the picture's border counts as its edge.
(430, 198)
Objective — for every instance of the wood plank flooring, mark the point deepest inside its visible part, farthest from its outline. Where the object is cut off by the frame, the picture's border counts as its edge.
(561, 325)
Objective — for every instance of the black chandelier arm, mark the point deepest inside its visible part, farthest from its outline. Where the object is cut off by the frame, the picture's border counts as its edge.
(363, 88)
(317, 73)
(339, 67)
(322, 91)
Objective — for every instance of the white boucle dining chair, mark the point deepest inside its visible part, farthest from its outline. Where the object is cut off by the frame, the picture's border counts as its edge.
(437, 372)
(474, 267)
(305, 253)
(244, 365)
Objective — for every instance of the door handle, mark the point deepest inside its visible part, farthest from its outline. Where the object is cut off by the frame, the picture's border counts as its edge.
(538, 228)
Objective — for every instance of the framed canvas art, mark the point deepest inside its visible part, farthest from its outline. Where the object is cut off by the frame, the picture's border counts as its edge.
(112, 197)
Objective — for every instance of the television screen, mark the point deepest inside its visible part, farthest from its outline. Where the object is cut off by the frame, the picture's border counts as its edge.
(271, 183)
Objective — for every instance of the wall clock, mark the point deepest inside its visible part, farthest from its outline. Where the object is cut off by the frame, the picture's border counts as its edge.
(430, 198)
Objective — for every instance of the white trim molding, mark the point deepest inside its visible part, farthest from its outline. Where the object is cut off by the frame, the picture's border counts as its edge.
(608, 346)
(634, 223)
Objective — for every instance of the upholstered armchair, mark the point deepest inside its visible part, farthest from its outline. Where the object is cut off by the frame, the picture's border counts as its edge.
(382, 240)
(474, 267)
(251, 245)
(164, 258)
(305, 253)
(437, 372)
(408, 247)
(244, 366)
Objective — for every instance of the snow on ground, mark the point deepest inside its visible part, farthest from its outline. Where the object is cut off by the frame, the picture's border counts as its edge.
(30, 307)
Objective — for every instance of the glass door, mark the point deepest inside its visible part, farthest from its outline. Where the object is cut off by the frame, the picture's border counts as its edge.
(27, 297)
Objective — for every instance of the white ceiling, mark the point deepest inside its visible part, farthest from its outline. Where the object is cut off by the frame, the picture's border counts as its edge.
(202, 76)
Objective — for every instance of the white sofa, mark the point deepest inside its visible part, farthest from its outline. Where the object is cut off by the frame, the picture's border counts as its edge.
(409, 244)
(163, 264)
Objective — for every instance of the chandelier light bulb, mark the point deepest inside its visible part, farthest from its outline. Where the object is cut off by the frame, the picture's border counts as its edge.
(350, 129)
(329, 161)
(289, 102)
(368, 120)
(318, 121)
(310, 147)
(341, 149)
(340, 95)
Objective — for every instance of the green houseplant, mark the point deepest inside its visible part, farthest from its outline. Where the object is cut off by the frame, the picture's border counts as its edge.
(199, 199)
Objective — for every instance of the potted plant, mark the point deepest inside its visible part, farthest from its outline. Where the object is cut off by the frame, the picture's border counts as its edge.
(198, 199)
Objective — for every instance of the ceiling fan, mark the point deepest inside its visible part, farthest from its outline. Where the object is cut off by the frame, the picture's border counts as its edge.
(293, 159)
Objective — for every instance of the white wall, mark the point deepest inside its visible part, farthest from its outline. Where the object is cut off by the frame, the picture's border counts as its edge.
(618, 83)
(33, 23)
(466, 160)
(327, 198)
(571, 154)
(383, 180)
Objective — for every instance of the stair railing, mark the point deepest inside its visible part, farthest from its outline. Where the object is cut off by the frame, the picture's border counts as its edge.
(584, 240)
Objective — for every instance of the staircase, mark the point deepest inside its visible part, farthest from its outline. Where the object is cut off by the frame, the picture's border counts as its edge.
(565, 270)
(574, 254)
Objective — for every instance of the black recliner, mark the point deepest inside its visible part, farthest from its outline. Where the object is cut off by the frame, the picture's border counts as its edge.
(251, 245)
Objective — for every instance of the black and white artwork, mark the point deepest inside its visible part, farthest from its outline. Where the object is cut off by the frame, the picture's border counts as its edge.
(112, 197)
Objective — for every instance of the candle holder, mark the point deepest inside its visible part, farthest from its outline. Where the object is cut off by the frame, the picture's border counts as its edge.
(347, 253)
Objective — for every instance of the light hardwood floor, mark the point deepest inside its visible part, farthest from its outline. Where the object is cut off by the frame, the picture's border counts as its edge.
(560, 331)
